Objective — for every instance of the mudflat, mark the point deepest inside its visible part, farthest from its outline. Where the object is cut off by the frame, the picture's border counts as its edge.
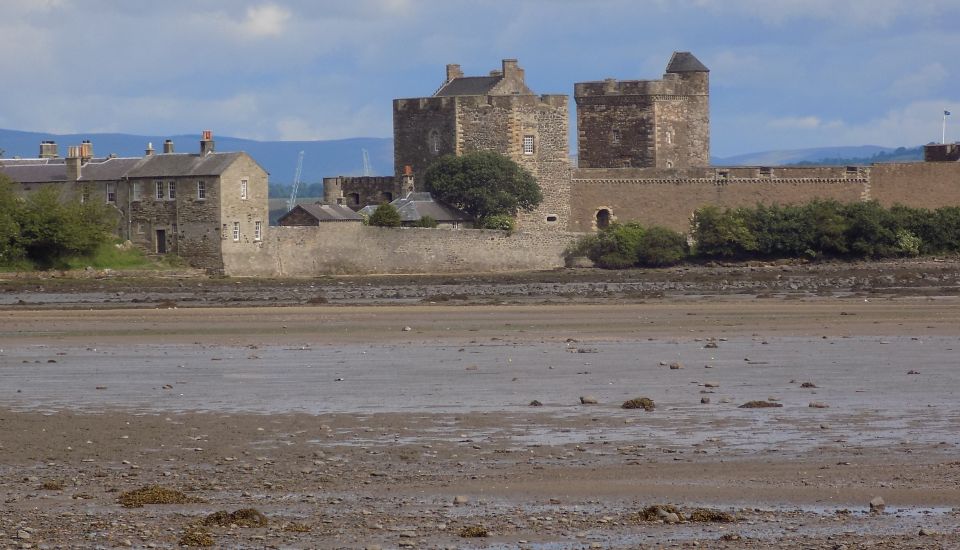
(412, 425)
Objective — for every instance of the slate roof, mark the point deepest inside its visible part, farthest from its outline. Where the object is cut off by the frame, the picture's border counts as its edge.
(685, 62)
(326, 212)
(183, 164)
(468, 85)
(417, 205)
(114, 168)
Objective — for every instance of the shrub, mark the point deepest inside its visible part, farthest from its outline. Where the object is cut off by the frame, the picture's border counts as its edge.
(385, 215)
(723, 233)
(659, 246)
(870, 231)
(426, 221)
(616, 246)
(502, 222)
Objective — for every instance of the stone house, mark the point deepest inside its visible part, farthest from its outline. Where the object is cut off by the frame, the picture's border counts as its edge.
(210, 208)
(416, 205)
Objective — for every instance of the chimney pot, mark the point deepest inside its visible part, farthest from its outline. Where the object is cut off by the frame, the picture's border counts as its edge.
(148, 152)
(206, 143)
(168, 146)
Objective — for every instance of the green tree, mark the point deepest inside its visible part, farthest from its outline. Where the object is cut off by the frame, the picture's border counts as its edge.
(501, 222)
(385, 215)
(482, 184)
(426, 221)
(11, 248)
(615, 247)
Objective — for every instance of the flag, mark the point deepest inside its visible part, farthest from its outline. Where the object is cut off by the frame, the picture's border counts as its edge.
(946, 112)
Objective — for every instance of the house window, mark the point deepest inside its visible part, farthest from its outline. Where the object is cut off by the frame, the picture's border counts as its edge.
(527, 145)
(257, 230)
(135, 191)
(201, 190)
(174, 228)
(243, 189)
(615, 137)
(139, 228)
(159, 195)
(111, 192)
(84, 194)
(236, 231)
(172, 190)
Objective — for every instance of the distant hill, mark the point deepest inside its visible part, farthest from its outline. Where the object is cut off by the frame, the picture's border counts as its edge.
(342, 157)
(862, 154)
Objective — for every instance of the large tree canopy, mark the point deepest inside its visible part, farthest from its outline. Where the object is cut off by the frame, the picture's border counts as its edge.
(483, 184)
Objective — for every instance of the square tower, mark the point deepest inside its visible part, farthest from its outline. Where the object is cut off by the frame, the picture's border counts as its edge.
(646, 123)
(496, 113)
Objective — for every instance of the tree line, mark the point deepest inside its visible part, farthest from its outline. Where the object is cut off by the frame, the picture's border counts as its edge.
(821, 229)
(43, 230)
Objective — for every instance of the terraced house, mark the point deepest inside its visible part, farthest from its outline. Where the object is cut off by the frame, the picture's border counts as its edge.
(210, 208)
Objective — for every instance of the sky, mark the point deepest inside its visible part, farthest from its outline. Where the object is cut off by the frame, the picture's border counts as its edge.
(785, 74)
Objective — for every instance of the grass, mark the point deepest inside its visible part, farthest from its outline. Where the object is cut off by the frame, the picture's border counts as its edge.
(111, 256)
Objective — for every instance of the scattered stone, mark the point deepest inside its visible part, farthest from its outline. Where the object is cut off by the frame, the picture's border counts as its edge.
(711, 384)
(659, 512)
(52, 485)
(407, 329)
(460, 500)
(704, 400)
(676, 365)
(808, 385)
(671, 518)
(588, 400)
(710, 345)
(536, 403)
(23, 535)
(913, 371)
(877, 505)
(818, 405)
(644, 403)
(759, 405)
(924, 532)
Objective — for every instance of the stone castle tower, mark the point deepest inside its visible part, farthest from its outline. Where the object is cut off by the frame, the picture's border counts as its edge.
(646, 123)
(497, 113)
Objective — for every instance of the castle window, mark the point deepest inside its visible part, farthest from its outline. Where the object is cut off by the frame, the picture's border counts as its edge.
(159, 194)
(386, 196)
(172, 190)
(723, 174)
(615, 137)
(765, 172)
(669, 137)
(434, 141)
(201, 190)
(257, 230)
(243, 189)
(236, 231)
(669, 164)
(551, 219)
(112, 192)
(135, 191)
(354, 199)
(139, 228)
(527, 145)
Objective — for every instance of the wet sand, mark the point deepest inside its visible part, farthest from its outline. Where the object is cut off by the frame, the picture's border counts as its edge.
(357, 426)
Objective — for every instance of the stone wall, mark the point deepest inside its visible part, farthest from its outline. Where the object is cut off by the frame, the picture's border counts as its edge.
(669, 197)
(918, 184)
(423, 130)
(341, 248)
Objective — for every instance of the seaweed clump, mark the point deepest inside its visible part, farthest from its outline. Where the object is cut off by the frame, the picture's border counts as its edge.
(153, 494)
(245, 517)
(644, 403)
(474, 531)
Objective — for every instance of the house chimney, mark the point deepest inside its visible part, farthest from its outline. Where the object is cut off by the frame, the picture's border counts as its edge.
(168, 146)
(453, 71)
(148, 152)
(406, 182)
(74, 162)
(86, 150)
(206, 143)
(48, 149)
(512, 70)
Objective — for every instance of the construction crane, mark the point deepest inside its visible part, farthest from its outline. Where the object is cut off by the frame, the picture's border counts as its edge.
(367, 169)
(296, 183)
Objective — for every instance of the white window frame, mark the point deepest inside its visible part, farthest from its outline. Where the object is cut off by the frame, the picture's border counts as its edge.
(201, 190)
(615, 137)
(529, 144)
(159, 192)
(172, 190)
(236, 231)
(111, 192)
(258, 230)
(244, 183)
(135, 191)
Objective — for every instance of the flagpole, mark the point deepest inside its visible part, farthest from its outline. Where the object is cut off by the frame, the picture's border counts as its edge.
(943, 136)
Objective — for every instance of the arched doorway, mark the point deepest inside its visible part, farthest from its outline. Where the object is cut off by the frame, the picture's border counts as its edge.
(603, 218)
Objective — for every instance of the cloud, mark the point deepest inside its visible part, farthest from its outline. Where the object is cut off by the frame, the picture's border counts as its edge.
(802, 123)
(264, 21)
(867, 13)
(922, 81)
